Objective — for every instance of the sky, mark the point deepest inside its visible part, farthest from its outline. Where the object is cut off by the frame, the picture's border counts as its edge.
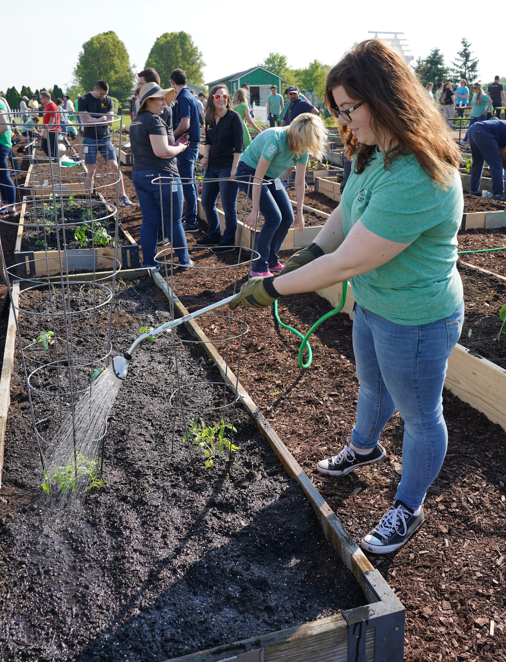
(43, 46)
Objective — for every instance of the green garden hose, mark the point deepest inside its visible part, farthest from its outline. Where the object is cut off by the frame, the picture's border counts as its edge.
(305, 339)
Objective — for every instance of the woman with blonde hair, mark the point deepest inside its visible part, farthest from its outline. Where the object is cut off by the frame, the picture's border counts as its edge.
(240, 105)
(480, 106)
(429, 87)
(271, 153)
(394, 235)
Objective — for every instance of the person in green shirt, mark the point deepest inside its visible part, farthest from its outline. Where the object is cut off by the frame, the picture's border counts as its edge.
(7, 189)
(240, 105)
(480, 106)
(275, 105)
(269, 155)
(394, 235)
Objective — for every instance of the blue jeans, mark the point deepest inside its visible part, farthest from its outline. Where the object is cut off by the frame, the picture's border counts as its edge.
(484, 147)
(153, 199)
(277, 211)
(228, 190)
(472, 120)
(7, 190)
(404, 367)
(186, 166)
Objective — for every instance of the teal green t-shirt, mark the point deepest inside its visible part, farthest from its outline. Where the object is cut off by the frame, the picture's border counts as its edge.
(5, 138)
(403, 204)
(273, 146)
(479, 110)
(275, 102)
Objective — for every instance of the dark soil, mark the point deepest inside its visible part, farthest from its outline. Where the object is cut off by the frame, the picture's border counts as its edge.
(168, 557)
(484, 239)
(473, 203)
(484, 296)
(316, 200)
(450, 576)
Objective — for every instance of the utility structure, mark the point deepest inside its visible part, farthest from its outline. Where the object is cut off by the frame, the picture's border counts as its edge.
(393, 39)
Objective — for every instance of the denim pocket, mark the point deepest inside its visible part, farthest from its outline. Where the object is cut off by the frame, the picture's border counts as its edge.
(453, 331)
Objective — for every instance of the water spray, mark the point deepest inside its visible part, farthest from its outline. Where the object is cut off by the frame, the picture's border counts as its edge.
(120, 363)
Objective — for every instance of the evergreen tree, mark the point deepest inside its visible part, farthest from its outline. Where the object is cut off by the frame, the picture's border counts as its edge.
(176, 50)
(56, 93)
(26, 92)
(465, 66)
(432, 69)
(105, 57)
(13, 98)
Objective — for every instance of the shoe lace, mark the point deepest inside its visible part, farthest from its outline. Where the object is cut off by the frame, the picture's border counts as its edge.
(343, 456)
(391, 521)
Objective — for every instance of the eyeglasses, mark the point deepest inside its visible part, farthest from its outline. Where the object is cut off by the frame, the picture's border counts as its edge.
(346, 114)
(221, 96)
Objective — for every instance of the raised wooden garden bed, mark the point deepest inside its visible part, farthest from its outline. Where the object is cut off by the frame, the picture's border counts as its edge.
(40, 262)
(485, 184)
(366, 633)
(246, 237)
(126, 158)
(329, 186)
(369, 633)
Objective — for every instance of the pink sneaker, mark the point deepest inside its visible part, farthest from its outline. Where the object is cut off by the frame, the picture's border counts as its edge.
(262, 274)
(279, 267)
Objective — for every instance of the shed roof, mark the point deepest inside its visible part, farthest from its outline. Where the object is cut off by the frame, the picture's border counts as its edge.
(241, 74)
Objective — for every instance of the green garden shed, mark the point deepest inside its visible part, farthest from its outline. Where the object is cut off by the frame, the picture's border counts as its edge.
(259, 80)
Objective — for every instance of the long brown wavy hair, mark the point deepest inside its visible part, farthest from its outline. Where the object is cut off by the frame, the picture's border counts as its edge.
(210, 101)
(376, 74)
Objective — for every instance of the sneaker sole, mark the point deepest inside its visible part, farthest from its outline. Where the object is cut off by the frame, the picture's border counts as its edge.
(330, 472)
(388, 549)
(195, 229)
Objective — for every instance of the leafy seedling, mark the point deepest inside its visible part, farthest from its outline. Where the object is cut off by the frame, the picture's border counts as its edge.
(147, 329)
(40, 243)
(45, 339)
(80, 471)
(502, 316)
(80, 235)
(96, 373)
(210, 440)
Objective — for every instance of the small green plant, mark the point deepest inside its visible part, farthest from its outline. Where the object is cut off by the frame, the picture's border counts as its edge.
(40, 243)
(210, 440)
(147, 329)
(46, 338)
(96, 234)
(66, 478)
(80, 235)
(502, 317)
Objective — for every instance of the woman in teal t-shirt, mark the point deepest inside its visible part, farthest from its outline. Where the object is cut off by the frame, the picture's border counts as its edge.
(480, 105)
(7, 190)
(269, 155)
(395, 236)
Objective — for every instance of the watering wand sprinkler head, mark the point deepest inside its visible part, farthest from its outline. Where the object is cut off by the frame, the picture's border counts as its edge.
(120, 365)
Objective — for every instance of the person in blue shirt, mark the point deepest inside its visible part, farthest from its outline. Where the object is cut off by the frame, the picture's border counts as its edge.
(297, 106)
(488, 143)
(187, 130)
(461, 97)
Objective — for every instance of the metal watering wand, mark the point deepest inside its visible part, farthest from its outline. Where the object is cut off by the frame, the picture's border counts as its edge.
(120, 363)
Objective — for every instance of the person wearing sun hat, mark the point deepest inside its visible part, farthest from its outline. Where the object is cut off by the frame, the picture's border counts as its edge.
(154, 157)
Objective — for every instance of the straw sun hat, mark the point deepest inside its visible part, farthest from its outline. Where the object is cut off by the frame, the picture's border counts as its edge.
(154, 91)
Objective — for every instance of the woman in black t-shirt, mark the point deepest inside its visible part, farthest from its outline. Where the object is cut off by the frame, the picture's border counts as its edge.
(448, 103)
(155, 176)
(224, 145)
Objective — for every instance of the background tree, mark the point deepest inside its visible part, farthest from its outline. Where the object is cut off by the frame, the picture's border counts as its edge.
(465, 66)
(105, 57)
(278, 64)
(73, 89)
(26, 92)
(313, 77)
(432, 69)
(13, 98)
(176, 50)
(56, 93)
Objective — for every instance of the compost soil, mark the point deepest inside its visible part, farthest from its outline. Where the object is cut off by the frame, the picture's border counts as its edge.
(166, 558)
(450, 576)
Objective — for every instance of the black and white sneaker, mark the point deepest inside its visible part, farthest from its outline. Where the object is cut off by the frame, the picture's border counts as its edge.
(346, 461)
(222, 248)
(394, 530)
(206, 241)
(187, 227)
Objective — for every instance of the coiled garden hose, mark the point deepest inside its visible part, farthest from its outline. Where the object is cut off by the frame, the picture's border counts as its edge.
(305, 339)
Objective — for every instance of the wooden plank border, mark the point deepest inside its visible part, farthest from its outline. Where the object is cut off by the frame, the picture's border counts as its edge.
(5, 378)
(312, 642)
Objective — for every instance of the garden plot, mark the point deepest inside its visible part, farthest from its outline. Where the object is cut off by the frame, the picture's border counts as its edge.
(167, 557)
(71, 234)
